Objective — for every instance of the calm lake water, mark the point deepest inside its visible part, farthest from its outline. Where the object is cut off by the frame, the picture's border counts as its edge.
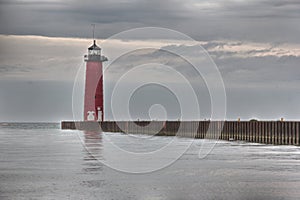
(40, 161)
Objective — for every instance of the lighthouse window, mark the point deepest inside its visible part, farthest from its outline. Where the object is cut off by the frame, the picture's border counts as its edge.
(94, 52)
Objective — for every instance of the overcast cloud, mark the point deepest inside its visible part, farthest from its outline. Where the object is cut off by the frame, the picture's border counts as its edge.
(272, 21)
(255, 45)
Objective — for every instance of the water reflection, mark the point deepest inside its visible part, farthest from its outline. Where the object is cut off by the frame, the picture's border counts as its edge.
(93, 147)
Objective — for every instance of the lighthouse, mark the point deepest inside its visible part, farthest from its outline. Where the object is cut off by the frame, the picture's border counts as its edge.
(93, 95)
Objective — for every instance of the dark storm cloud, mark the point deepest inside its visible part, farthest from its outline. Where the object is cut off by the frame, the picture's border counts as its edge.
(266, 20)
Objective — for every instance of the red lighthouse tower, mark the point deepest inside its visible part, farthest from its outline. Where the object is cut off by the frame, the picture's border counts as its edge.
(93, 97)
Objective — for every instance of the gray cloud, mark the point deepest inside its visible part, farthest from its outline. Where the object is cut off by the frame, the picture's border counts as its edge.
(266, 20)
(255, 44)
(5, 69)
(241, 63)
(268, 71)
(268, 67)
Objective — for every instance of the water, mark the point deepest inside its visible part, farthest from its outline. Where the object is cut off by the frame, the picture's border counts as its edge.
(40, 161)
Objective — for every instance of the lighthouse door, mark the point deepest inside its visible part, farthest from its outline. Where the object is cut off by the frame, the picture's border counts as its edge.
(91, 116)
(99, 114)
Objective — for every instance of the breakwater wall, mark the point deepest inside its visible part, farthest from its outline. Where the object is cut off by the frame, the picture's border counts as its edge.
(266, 132)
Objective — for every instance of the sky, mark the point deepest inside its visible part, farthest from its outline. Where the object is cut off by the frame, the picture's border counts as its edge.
(254, 44)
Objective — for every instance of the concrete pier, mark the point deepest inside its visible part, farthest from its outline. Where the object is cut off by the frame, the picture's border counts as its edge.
(265, 132)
